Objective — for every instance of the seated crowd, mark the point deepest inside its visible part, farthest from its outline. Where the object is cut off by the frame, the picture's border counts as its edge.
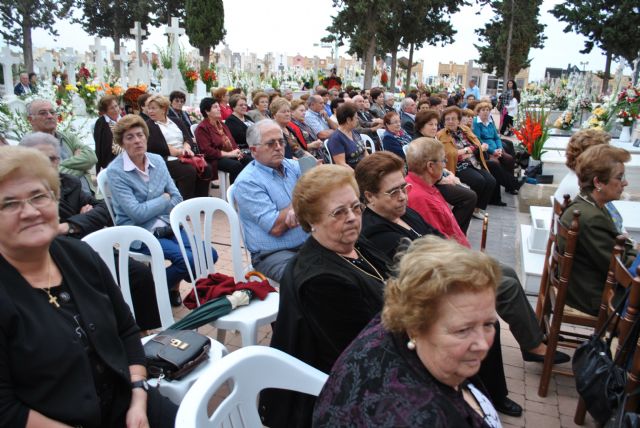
(379, 286)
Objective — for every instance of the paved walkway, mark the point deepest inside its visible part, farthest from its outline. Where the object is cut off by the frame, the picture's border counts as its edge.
(555, 410)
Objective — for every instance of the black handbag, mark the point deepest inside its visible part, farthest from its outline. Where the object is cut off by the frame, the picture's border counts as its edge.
(599, 380)
(171, 354)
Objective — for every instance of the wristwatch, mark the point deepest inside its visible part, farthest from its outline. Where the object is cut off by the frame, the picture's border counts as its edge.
(71, 230)
(140, 384)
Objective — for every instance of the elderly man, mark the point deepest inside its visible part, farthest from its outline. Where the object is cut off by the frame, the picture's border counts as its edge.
(472, 90)
(408, 110)
(263, 192)
(287, 94)
(22, 88)
(76, 158)
(368, 124)
(81, 214)
(316, 117)
(389, 102)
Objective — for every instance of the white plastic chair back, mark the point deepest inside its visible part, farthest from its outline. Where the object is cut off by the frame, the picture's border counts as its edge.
(405, 148)
(380, 133)
(234, 205)
(326, 147)
(224, 181)
(104, 241)
(193, 130)
(369, 142)
(103, 187)
(251, 369)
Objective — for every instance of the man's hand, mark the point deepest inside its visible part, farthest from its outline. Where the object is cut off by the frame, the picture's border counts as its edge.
(63, 228)
(291, 220)
(86, 209)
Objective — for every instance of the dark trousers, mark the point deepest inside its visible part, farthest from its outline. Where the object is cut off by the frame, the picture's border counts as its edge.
(233, 166)
(481, 182)
(143, 294)
(187, 180)
(492, 370)
(507, 123)
(502, 177)
(463, 201)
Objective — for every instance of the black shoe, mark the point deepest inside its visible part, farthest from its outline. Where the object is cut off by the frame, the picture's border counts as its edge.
(558, 358)
(508, 407)
(512, 191)
(175, 298)
(498, 204)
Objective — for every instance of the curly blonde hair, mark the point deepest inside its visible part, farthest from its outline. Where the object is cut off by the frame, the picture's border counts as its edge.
(581, 141)
(430, 269)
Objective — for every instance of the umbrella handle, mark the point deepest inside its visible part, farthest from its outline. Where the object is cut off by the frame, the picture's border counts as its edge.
(256, 274)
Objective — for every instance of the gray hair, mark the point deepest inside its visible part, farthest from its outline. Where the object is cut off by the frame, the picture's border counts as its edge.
(388, 95)
(313, 99)
(35, 139)
(405, 102)
(254, 132)
(35, 101)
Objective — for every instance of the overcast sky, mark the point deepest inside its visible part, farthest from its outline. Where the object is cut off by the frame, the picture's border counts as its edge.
(293, 26)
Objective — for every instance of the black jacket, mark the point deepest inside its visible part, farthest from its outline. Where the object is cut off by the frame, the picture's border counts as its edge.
(238, 130)
(157, 144)
(72, 199)
(103, 139)
(43, 365)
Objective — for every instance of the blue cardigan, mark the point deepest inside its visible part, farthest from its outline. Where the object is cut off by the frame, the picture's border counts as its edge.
(140, 203)
(487, 134)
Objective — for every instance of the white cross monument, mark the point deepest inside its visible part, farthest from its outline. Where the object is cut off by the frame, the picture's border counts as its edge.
(99, 50)
(45, 66)
(123, 58)
(7, 59)
(175, 81)
(70, 59)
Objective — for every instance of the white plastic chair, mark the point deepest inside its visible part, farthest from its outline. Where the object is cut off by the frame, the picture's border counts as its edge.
(380, 132)
(195, 216)
(193, 130)
(120, 237)
(103, 187)
(326, 147)
(369, 142)
(224, 181)
(251, 370)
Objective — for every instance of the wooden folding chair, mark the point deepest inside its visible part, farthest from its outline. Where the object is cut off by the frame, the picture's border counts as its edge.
(554, 312)
(618, 276)
(558, 209)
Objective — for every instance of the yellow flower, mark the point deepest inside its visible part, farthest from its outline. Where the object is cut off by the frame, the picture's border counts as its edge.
(91, 88)
(599, 111)
(71, 88)
(558, 123)
(230, 88)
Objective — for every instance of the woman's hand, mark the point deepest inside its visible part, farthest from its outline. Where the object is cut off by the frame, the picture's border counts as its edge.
(187, 150)
(449, 179)
(314, 145)
(137, 417)
(484, 147)
(232, 154)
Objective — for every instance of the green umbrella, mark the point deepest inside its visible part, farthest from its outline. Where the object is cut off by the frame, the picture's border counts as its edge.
(208, 312)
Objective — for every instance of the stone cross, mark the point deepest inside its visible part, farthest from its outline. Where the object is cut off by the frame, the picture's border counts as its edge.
(69, 59)
(46, 64)
(99, 50)
(174, 32)
(123, 58)
(138, 32)
(7, 60)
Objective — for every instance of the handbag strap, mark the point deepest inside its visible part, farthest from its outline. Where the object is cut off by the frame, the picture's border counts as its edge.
(614, 313)
(633, 333)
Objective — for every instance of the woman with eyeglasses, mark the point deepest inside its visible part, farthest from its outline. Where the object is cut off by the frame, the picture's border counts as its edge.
(71, 352)
(330, 290)
(394, 138)
(601, 174)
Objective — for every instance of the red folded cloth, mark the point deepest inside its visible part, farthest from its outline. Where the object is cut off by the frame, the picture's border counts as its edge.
(218, 284)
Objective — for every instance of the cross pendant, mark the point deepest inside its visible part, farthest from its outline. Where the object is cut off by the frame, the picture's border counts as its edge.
(54, 301)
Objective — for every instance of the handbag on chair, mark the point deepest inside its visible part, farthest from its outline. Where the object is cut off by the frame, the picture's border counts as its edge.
(172, 354)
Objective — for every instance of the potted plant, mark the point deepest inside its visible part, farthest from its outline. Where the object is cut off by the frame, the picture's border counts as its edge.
(627, 110)
(533, 133)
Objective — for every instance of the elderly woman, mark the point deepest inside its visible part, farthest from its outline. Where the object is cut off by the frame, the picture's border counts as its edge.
(467, 117)
(345, 145)
(465, 158)
(394, 138)
(260, 107)
(460, 197)
(144, 194)
(389, 102)
(303, 132)
(176, 113)
(600, 171)
(222, 98)
(578, 143)
(173, 142)
(502, 164)
(216, 142)
(281, 112)
(416, 365)
(109, 111)
(238, 122)
(71, 352)
(377, 103)
(330, 290)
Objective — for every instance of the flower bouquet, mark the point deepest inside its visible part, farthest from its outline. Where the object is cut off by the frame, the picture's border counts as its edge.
(533, 132)
(190, 77)
(208, 77)
(628, 106)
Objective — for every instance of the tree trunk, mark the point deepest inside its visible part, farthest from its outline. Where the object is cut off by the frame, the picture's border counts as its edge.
(368, 63)
(27, 45)
(409, 67)
(116, 51)
(205, 54)
(607, 73)
(394, 67)
(507, 56)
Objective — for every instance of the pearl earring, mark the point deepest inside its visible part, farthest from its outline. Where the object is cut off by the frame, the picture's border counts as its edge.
(599, 189)
(411, 345)
(313, 229)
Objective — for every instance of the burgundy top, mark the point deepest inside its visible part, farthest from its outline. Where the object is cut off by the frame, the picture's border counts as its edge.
(430, 204)
(226, 111)
(211, 143)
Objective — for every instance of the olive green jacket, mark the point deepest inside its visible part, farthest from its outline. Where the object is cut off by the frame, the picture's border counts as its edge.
(82, 158)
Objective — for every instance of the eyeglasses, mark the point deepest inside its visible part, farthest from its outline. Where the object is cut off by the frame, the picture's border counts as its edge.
(621, 177)
(54, 158)
(41, 200)
(45, 113)
(395, 192)
(341, 213)
(442, 161)
(272, 143)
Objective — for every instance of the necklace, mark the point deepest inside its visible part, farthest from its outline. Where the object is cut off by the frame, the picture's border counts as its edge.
(360, 256)
(52, 299)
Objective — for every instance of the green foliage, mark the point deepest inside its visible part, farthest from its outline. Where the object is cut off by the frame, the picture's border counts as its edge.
(527, 33)
(612, 25)
(205, 24)
(34, 13)
(164, 10)
(113, 18)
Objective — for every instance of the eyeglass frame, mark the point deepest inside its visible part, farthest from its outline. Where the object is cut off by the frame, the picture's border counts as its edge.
(271, 144)
(358, 206)
(395, 192)
(21, 203)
